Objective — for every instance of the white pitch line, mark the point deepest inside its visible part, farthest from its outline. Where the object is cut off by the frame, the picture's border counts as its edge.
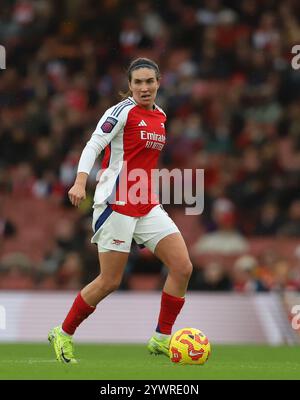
(26, 361)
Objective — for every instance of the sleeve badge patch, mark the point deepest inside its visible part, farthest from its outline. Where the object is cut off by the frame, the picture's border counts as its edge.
(109, 124)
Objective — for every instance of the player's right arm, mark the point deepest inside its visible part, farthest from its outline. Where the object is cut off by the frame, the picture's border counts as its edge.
(77, 192)
(107, 128)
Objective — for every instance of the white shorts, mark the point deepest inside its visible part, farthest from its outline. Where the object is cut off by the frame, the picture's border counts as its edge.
(115, 231)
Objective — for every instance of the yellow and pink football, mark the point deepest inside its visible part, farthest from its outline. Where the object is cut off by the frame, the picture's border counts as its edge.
(189, 346)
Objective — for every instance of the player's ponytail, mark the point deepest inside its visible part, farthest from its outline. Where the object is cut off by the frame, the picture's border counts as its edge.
(140, 62)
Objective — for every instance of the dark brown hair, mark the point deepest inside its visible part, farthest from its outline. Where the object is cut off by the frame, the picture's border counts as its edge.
(140, 62)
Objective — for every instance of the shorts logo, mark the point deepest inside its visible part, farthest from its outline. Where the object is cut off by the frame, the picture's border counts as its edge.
(117, 242)
(109, 124)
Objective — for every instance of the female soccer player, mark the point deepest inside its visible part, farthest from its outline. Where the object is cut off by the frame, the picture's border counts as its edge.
(132, 133)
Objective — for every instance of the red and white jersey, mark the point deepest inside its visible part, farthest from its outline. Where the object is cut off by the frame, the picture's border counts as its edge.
(132, 138)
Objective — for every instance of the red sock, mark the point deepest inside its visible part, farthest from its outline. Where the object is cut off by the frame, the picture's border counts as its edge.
(169, 309)
(79, 311)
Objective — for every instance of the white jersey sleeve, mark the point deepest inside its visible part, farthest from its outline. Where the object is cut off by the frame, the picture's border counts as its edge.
(110, 124)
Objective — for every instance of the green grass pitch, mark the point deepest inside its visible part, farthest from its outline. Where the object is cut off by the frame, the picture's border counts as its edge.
(125, 361)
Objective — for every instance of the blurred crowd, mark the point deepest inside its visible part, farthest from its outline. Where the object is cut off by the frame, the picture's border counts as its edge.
(233, 106)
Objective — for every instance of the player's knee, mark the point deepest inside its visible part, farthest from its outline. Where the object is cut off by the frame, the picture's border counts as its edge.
(109, 286)
(183, 270)
(187, 269)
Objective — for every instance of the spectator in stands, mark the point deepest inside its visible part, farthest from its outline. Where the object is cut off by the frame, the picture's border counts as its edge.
(69, 273)
(284, 277)
(225, 239)
(244, 277)
(292, 225)
(269, 220)
(7, 227)
(16, 272)
(228, 88)
(212, 277)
